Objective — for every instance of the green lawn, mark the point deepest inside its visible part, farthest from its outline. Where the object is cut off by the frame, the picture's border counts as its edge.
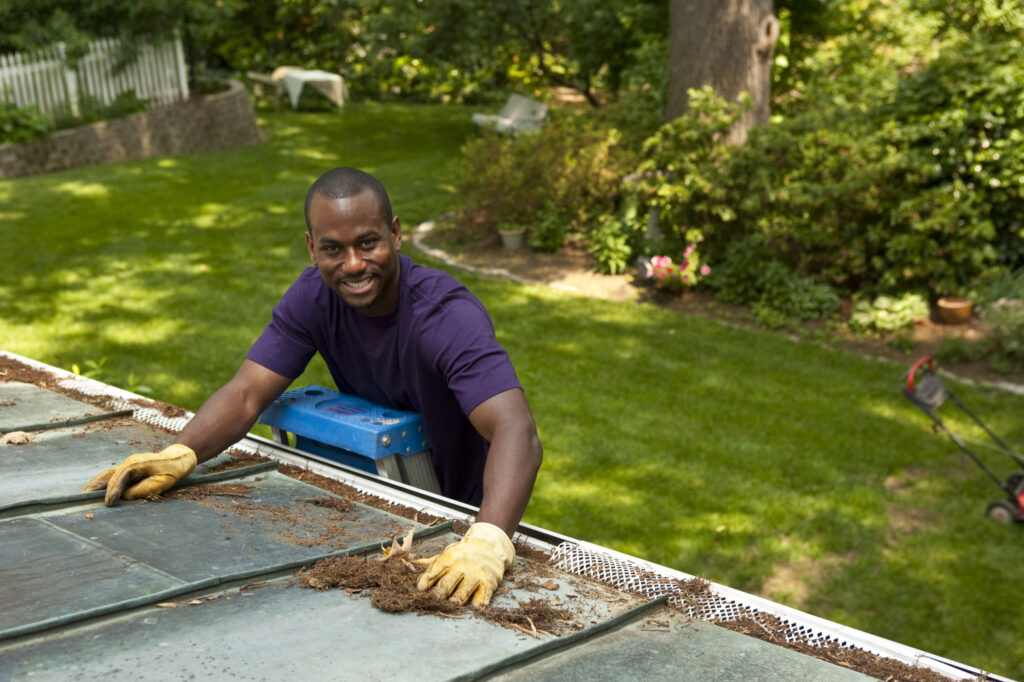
(781, 468)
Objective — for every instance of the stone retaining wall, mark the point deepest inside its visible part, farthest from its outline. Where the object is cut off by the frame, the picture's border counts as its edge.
(202, 124)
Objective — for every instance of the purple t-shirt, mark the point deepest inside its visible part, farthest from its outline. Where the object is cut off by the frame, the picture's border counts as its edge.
(434, 354)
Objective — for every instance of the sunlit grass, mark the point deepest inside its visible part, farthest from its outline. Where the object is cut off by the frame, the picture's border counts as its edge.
(719, 451)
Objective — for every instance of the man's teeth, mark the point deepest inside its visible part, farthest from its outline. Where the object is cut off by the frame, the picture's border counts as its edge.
(357, 285)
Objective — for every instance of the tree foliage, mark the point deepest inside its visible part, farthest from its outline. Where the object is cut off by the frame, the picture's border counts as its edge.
(890, 163)
(34, 24)
(892, 170)
(446, 50)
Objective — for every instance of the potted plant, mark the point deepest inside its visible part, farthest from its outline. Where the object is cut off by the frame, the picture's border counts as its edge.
(512, 235)
(954, 309)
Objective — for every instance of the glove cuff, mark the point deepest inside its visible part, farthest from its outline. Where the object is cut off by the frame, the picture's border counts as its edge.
(494, 539)
(182, 455)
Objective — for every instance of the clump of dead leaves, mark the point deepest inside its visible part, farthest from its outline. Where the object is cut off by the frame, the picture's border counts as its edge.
(390, 580)
(391, 576)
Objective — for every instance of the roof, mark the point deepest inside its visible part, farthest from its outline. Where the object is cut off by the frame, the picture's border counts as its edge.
(203, 583)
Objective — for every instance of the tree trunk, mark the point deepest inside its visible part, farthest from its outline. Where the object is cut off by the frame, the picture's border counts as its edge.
(727, 44)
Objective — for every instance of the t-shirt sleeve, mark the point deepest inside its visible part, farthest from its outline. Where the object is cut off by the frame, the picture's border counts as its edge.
(286, 345)
(467, 354)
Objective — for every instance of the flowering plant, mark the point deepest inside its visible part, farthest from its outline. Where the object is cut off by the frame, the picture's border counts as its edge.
(681, 276)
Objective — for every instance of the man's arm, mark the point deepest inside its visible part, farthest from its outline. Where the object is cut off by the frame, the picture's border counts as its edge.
(222, 421)
(513, 460)
(228, 414)
(471, 569)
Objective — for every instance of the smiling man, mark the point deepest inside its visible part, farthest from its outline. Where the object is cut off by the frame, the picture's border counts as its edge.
(397, 334)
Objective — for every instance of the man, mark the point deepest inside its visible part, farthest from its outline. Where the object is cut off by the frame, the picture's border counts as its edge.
(394, 333)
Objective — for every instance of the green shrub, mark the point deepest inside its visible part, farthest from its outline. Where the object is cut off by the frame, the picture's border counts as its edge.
(19, 125)
(609, 245)
(957, 349)
(768, 316)
(902, 341)
(125, 104)
(888, 313)
(895, 169)
(796, 297)
(549, 231)
(571, 168)
(684, 172)
(737, 278)
(1000, 284)
(750, 275)
(1005, 341)
(640, 108)
(92, 109)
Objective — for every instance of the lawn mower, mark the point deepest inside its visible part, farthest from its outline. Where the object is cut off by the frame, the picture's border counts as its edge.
(923, 387)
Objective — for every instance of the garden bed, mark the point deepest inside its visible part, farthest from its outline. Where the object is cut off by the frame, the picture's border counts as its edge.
(572, 270)
(222, 120)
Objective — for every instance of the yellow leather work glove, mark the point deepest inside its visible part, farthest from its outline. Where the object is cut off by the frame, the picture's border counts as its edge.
(472, 567)
(148, 473)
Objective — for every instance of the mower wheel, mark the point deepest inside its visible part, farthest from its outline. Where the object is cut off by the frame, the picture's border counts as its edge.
(1003, 511)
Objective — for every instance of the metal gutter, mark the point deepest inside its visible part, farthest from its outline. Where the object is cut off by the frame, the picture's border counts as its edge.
(580, 557)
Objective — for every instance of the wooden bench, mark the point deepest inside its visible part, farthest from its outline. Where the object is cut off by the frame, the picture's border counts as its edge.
(520, 114)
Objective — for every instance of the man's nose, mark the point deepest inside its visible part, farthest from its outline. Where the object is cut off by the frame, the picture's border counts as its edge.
(352, 261)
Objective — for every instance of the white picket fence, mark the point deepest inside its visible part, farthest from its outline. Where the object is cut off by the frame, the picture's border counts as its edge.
(43, 78)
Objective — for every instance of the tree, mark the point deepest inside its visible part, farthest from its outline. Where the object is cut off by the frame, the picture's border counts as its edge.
(727, 44)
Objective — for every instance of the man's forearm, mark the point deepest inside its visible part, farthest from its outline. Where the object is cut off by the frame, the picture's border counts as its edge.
(513, 459)
(222, 421)
(228, 414)
(512, 464)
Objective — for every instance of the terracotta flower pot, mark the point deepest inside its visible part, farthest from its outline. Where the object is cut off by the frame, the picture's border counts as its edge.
(954, 309)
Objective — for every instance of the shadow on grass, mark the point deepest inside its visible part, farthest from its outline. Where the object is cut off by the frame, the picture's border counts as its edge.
(151, 259)
(733, 454)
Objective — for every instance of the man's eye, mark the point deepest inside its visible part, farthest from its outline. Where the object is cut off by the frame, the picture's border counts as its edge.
(369, 243)
(329, 249)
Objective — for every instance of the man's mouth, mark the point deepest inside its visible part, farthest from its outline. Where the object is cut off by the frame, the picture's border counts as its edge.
(357, 286)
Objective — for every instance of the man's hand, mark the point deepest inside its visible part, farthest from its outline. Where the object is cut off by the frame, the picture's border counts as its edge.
(148, 473)
(472, 567)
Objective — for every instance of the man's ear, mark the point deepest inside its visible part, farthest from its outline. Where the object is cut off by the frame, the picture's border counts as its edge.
(396, 233)
(309, 247)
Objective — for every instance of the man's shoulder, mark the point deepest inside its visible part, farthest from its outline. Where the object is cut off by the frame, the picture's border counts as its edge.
(437, 297)
(417, 274)
(308, 281)
(307, 292)
(429, 285)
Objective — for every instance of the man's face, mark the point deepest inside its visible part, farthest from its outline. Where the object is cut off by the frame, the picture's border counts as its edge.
(355, 252)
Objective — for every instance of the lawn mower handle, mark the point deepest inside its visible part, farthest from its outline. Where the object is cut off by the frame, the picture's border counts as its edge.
(915, 367)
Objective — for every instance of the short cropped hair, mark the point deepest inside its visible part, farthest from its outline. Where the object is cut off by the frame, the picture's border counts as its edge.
(344, 182)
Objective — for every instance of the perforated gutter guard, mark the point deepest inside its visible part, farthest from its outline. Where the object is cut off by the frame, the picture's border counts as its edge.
(573, 556)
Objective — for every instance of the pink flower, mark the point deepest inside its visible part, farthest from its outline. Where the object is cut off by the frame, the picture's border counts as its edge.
(689, 250)
(684, 265)
(705, 270)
